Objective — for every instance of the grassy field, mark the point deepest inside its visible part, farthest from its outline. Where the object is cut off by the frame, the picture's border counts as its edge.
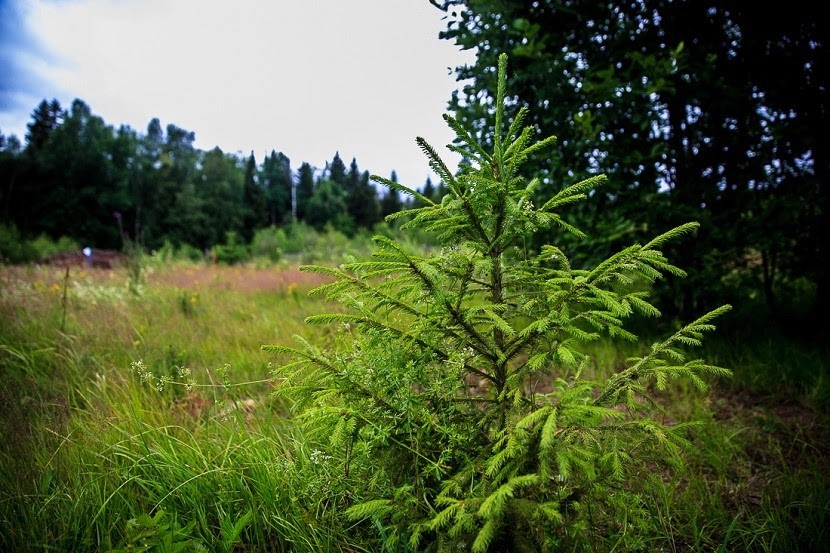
(136, 415)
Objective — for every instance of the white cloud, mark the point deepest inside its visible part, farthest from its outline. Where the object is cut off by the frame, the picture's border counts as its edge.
(364, 77)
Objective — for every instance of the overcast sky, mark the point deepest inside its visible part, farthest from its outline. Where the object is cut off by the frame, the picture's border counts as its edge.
(304, 77)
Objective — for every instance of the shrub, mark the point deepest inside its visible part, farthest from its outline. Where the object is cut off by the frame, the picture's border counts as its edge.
(13, 249)
(232, 251)
(457, 401)
(44, 246)
(269, 243)
(186, 252)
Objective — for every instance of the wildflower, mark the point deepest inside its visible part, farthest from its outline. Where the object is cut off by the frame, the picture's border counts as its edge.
(162, 382)
(318, 457)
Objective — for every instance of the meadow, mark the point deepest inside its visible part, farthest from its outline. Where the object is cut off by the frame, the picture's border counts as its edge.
(138, 415)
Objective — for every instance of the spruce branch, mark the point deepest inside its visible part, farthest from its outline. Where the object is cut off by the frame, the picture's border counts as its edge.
(405, 189)
(574, 192)
(654, 363)
(517, 134)
(438, 165)
(475, 151)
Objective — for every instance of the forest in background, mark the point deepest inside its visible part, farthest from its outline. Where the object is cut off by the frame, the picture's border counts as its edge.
(79, 177)
(695, 110)
(699, 111)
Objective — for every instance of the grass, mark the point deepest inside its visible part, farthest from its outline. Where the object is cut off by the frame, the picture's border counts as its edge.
(94, 459)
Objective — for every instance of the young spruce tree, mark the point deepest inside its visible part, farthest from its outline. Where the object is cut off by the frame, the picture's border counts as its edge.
(455, 398)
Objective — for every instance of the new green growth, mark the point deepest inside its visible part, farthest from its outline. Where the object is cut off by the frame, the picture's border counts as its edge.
(458, 407)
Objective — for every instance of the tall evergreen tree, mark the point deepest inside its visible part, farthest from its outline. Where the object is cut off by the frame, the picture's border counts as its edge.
(428, 191)
(337, 171)
(76, 186)
(126, 165)
(143, 186)
(350, 186)
(361, 197)
(255, 203)
(370, 212)
(45, 119)
(304, 191)
(391, 202)
(278, 182)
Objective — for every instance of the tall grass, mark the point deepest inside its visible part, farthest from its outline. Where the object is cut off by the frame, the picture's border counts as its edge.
(91, 455)
(94, 459)
(222, 481)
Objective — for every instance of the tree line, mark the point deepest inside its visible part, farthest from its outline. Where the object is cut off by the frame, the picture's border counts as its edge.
(79, 177)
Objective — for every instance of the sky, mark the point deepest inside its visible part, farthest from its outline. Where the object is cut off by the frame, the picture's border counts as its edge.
(307, 78)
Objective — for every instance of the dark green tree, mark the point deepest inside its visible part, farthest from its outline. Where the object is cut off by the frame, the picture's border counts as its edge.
(328, 206)
(143, 186)
(27, 183)
(688, 107)
(278, 183)
(305, 190)
(361, 197)
(255, 208)
(336, 171)
(174, 178)
(81, 179)
(428, 191)
(370, 212)
(127, 164)
(45, 119)
(217, 200)
(391, 201)
(192, 225)
(351, 185)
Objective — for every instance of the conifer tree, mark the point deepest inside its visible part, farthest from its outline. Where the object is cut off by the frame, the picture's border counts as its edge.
(337, 170)
(305, 190)
(361, 197)
(391, 202)
(277, 180)
(46, 118)
(458, 409)
(428, 191)
(371, 203)
(255, 208)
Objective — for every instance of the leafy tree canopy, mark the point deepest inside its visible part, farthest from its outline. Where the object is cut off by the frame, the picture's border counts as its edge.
(688, 107)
